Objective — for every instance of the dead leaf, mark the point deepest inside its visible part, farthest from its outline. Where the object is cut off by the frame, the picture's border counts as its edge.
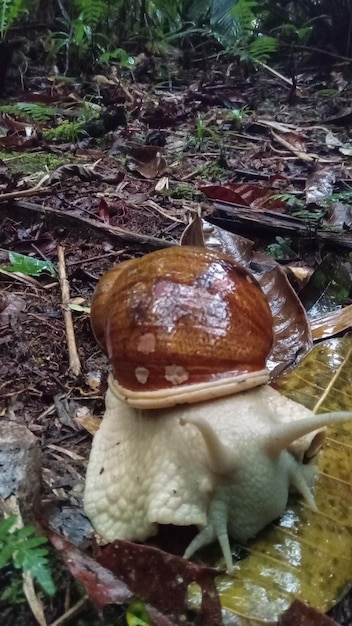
(10, 308)
(300, 614)
(125, 570)
(244, 194)
(328, 287)
(85, 173)
(89, 422)
(193, 234)
(163, 579)
(319, 186)
(292, 334)
(306, 555)
(146, 160)
(331, 324)
(104, 211)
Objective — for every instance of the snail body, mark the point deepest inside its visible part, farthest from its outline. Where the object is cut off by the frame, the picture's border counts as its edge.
(192, 433)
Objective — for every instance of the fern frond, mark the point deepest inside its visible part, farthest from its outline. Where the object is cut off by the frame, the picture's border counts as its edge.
(21, 546)
(5, 6)
(30, 110)
(244, 16)
(10, 11)
(261, 48)
(92, 11)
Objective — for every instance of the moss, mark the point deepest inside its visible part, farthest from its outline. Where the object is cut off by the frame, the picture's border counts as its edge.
(27, 163)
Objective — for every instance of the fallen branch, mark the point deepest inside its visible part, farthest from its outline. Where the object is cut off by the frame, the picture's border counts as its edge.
(112, 231)
(25, 193)
(236, 218)
(75, 364)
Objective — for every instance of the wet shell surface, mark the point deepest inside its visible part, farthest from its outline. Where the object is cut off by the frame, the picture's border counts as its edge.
(182, 324)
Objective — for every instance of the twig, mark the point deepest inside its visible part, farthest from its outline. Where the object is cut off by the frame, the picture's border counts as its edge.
(75, 365)
(113, 231)
(286, 80)
(72, 611)
(25, 193)
(298, 153)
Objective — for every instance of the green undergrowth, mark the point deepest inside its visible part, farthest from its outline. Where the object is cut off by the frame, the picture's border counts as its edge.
(22, 549)
(27, 163)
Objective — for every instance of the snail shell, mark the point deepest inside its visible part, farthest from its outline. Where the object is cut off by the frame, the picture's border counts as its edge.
(182, 324)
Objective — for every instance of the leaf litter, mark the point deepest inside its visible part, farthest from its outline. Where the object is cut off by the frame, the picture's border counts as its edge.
(115, 210)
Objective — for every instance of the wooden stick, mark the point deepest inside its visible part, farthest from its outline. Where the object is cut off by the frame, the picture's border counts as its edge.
(113, 231)
(24, 193)
(298, 153)
(72, 611)
(75, 364)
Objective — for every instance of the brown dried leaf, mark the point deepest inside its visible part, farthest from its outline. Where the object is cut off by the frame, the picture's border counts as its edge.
(300, 614)
(163, 579)
(332, 323)
(146, 160)
(101, 585)
(10, 308)
(193, 234)
(89, 422)
(85, 173)
(124, 570)
(292, 334)
(320, 185)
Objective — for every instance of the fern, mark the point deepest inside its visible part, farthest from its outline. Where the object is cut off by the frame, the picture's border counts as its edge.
(10, 11)
(261, 48)
(21, 548)
(221, 21)
(92, 11)
(66, 131)
(244, 16)
(28, 110)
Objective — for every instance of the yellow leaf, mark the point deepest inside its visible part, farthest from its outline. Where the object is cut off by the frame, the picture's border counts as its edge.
(306, 555)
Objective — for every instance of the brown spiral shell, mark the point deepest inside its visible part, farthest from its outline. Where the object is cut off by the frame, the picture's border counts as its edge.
(178, 322)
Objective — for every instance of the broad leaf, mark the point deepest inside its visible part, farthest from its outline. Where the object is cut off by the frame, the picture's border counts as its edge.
(306, 555)
(28, 265)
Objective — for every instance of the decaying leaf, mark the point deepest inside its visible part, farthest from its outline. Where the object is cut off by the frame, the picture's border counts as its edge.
(291, 328)
(327, 288)
(245, 194)
(320, 185)
(84, 172)
(331, 324)
(89, 422)
(299, 614)
(11, 307)
(307, 555)
(124, 570)
(146, 160)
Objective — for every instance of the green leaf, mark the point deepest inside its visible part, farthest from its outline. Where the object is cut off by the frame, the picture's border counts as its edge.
(79, 308)
(10, 11)
(30, 110)
(121, 55)
(28, 265)
(137, 615)
(6, 524)
(40, 572)
(6, 552)
(21, 546)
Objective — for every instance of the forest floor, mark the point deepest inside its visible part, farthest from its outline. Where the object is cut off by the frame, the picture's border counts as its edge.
(245, 154)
